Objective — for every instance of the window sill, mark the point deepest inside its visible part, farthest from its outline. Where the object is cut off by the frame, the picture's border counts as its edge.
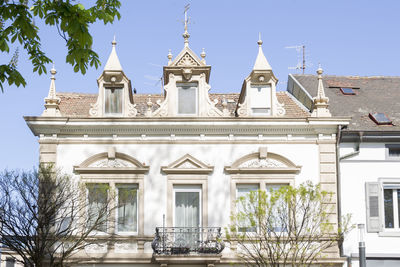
(395, 233)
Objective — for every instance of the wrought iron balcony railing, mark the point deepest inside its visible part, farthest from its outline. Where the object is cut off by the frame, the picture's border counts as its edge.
(178, 240)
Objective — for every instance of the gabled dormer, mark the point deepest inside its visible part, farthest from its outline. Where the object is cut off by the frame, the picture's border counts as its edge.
(186, 86)
(258, 94)
(115, 91)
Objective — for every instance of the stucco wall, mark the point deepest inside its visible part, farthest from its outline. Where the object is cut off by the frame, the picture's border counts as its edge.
(217, 155)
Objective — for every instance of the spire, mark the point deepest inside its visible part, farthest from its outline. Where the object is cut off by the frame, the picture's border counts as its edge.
(52, 101)
(320, 101)
(186, 34)
(261, 61)
(113, 61)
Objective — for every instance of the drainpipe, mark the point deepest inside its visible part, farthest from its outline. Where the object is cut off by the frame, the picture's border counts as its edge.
(339, 191)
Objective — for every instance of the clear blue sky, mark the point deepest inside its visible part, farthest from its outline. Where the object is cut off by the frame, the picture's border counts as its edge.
(347, 37)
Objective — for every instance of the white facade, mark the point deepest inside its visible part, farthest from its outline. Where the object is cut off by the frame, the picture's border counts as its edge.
(171, 148)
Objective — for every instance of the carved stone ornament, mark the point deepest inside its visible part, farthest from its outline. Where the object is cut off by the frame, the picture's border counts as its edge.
(124, 247)
(187, 60)
(187, 73)
(94, 110)
(262, 163)
(111, 163)
(96, 248)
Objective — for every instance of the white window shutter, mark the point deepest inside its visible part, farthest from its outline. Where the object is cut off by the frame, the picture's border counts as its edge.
(372, 191)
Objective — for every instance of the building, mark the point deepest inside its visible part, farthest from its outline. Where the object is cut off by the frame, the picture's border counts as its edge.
(187, 154)
(369, 157)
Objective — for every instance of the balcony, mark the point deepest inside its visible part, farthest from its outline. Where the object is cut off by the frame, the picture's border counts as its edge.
(187, 241)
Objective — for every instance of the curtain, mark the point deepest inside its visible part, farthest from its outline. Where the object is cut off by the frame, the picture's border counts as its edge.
(127, 210)
(187, 209)
(113, 100)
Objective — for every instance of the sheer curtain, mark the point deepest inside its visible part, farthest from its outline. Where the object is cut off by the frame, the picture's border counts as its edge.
(187, 209)
(127, 209)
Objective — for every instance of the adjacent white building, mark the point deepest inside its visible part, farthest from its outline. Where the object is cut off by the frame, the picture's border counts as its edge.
(369, 156)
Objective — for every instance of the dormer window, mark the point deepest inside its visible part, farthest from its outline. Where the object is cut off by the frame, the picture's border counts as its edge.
(187, 98)
(113, 100)
(260, 100)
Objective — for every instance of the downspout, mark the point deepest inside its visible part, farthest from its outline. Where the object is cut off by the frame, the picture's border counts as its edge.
(339, 191)
(338, 187)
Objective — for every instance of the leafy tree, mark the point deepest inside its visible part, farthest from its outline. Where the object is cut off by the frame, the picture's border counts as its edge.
(286, 227)
(72, 20)
(45, 218)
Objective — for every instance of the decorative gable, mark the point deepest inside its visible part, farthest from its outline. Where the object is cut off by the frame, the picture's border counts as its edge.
(187, 165)
(187, 60)
(111, 162)
(263, 162)
(258, 94)
(115, 91)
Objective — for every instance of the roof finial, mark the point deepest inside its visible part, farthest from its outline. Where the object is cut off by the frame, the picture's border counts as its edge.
(320, 101)
(114, 42)
(261, 60)
(113, 63)
(186, 34)
(52, 101)
(169, 57)
(203, 56)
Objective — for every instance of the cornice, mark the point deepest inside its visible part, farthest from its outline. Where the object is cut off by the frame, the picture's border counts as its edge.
(176, 126)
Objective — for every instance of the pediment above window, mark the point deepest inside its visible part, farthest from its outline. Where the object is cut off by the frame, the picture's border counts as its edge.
(111, 162)
(187, 165)
(263, 162)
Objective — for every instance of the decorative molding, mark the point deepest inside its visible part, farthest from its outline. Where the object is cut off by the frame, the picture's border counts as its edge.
(187, 60)
(97, 247)
(257, 163)
(187, 165)
(105, 163)
(125, 247)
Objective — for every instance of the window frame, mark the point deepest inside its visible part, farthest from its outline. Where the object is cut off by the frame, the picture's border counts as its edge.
(122, 101)
(196, 85)
(131, 186)
(269, 108)
(383, 230)
(387, 154)
(262, 180)
(188, 189)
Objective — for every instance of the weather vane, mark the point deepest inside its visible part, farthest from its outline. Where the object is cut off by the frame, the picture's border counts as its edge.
(186, 35)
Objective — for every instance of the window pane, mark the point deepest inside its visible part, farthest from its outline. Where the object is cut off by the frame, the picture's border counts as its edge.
(187, 209)
(113, 100)
(260, 100)
(127, 209)
(187, 98)
(10, 262)
(279, 217)
(388, 203)
(394, 151)
(97, 208)
(243, 191)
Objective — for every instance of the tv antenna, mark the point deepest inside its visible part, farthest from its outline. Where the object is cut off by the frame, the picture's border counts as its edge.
(300, 49)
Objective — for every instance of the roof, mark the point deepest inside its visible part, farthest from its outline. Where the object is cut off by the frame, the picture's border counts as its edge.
(78, 104)
(374, 94)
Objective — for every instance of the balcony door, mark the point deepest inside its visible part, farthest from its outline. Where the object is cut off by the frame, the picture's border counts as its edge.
(187, 206)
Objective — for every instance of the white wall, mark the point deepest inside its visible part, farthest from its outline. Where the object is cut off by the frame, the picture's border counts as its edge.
(217, 155)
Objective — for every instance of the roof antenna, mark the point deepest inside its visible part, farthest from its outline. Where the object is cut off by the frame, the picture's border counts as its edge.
(300, 49)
